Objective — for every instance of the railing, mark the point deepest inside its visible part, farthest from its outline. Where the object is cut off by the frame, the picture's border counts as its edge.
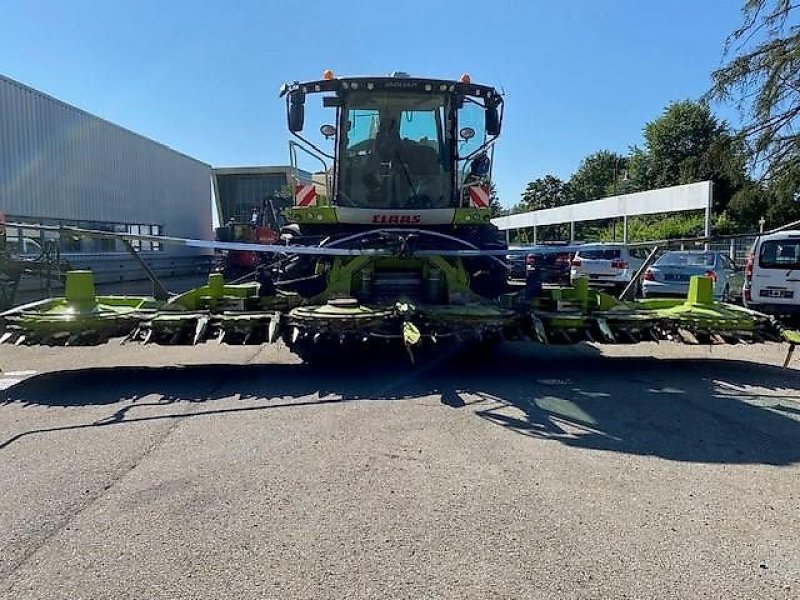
(121, 267)
(737, 248)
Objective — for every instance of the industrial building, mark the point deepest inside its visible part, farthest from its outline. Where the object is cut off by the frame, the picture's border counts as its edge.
(240, 190)
(62, 165)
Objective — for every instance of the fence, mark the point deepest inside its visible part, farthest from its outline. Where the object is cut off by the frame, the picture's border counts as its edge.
(737, 248)
(117, 267)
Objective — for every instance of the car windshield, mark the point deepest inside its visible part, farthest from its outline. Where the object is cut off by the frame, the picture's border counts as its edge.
(600, 253)
(687, 259)
(780, 254)
(395, 152)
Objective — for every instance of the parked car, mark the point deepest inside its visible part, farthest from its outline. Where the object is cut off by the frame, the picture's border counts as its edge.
(551, 263)
(516, 261)
(772, 274)
(606, 265)
(670, 274)
(516, 266)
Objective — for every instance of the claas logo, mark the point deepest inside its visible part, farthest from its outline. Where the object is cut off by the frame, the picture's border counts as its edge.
(382, 219)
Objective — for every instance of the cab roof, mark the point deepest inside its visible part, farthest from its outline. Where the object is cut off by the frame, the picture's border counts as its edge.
(394, 84)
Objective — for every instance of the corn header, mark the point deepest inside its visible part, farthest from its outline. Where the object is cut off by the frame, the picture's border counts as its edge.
(395, 251)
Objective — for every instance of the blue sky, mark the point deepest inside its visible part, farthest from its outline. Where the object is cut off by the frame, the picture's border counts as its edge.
(202, 77)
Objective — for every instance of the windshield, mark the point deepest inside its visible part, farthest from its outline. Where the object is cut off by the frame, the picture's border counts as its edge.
(685, 259)
(395, 152)
(780, 254)
(600, 254)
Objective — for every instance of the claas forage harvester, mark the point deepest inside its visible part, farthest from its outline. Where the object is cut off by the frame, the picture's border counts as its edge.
(394, 251)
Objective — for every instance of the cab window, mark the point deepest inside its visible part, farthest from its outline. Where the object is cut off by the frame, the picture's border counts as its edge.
(363, 125)
(422, 126)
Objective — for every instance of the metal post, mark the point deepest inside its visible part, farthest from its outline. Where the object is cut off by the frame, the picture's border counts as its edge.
(633, 284)
(708, 212)
(535, 235)
(625, 229)
(508, 237)
(159, 291)
(732, 253)
(572, 231)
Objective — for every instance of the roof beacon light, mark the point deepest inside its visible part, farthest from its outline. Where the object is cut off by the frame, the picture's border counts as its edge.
(465, 78)
(327, 75)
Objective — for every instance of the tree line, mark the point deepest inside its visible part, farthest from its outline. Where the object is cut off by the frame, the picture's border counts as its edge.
(755, 169)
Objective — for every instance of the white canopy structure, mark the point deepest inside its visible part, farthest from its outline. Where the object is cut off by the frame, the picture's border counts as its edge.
(679, 198)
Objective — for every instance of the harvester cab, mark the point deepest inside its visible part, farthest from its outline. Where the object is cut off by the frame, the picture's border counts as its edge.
(400, 151)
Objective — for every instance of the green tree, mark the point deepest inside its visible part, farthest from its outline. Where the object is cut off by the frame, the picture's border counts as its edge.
(748, 205)
(494, 201)
(541, 193)
(545, 192)
(598, 175)
(762, 77)
(687, 143)
(784, 197)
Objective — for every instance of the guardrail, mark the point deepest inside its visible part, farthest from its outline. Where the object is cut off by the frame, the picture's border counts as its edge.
(119, 267)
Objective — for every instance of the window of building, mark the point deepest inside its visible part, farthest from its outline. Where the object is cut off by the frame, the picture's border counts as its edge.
(28, 239)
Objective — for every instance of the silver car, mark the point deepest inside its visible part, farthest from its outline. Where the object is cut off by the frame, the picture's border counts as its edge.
(606, 265)
(670, 274)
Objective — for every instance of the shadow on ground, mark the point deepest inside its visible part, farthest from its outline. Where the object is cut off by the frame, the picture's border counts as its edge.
(680, 409)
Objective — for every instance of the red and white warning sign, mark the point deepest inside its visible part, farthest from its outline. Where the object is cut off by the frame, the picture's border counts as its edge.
(305, 195)
(479, 196)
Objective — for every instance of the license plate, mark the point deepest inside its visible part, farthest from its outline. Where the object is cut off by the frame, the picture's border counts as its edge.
(675, 277)
(786, 294)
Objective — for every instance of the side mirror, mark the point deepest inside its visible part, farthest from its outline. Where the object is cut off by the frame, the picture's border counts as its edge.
(297, 113)
(492, 121)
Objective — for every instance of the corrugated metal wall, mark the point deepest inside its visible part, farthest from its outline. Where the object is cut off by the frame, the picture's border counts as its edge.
(57, 161)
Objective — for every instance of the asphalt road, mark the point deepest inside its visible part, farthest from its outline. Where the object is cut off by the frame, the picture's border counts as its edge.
(216, 472)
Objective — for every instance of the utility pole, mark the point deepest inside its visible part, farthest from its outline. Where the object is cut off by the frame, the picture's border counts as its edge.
(614, 188)
(761, 223)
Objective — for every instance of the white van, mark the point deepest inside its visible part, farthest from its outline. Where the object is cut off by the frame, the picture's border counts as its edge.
(772, 274)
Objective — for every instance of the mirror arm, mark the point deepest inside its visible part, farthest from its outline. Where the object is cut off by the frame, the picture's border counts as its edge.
(311, 144)
(482, 147)
(294, 146)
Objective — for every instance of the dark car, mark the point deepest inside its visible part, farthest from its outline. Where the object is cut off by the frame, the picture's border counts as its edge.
(552, 264)
(516, 262)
